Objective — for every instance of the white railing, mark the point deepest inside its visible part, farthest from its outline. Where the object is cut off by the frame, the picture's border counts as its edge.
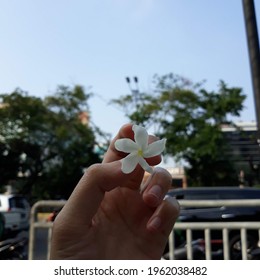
(207, 227)
(35, 224)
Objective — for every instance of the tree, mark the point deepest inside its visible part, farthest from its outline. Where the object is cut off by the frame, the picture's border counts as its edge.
(44, 145)
(190, 118)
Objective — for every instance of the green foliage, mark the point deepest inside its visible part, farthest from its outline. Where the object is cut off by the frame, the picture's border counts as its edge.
(44, 147)
(190, 118)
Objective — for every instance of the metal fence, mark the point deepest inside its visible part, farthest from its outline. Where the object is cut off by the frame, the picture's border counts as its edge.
(207, 227)
(35, 224)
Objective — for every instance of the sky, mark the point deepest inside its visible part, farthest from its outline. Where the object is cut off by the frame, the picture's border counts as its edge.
(97, 44)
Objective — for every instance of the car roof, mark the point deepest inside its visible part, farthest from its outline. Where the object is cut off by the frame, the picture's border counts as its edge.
(215, 193)
(191, 189)
(10, 195)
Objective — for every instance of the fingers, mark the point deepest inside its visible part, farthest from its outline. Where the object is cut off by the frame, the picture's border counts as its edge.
(167, 211)
(156, 187)
(89, 192)
(164, 217)
(112, 154)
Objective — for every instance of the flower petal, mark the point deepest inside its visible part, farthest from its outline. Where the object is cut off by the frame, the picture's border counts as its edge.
(126, 145)
(129, 163)
(145, 165)
(141, 136)
(155, 148)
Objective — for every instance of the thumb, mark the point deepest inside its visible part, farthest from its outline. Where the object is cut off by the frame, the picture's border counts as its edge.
(89, 192)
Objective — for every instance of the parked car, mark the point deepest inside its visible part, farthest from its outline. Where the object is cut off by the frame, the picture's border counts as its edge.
(2, 225)
(219, 214)
(16, 211)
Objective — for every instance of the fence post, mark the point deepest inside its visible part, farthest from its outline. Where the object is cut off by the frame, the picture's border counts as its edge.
(243, 243)
(207, 244)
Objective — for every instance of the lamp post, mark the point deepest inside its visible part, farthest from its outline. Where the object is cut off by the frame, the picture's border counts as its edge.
(135, 90)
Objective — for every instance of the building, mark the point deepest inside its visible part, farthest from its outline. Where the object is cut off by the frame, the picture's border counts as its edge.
(243, 141)
(244, 149)
(178, 177)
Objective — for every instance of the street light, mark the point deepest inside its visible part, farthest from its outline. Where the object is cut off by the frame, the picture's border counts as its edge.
(135, 91)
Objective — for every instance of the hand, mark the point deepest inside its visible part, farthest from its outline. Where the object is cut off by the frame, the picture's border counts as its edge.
(107, 217)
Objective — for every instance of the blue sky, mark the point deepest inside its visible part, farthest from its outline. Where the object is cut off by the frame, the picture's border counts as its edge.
(98, 43)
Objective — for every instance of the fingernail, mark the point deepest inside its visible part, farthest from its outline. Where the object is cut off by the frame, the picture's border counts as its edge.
(145, 184)
(155, 223)
(155, 194)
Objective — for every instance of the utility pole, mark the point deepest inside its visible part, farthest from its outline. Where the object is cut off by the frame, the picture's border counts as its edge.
(254, 55)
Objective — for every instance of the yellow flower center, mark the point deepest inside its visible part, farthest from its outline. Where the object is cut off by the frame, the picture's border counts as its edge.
(140, 153)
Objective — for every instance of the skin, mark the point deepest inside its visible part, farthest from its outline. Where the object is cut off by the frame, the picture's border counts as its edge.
(108, 217)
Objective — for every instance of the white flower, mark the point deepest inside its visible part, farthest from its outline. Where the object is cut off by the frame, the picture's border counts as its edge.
(138, 150)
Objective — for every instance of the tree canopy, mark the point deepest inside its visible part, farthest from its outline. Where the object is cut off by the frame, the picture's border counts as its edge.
(190, 117)
(44, 143)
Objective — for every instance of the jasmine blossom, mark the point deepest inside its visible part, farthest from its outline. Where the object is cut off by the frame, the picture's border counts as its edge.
(138, 150)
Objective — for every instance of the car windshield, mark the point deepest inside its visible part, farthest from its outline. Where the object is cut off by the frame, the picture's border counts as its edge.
(17, 202)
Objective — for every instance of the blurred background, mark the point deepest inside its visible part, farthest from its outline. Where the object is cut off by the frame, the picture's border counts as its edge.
(74, 72)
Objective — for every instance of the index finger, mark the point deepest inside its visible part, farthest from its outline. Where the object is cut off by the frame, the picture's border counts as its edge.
(87, 196)
(112, 154)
